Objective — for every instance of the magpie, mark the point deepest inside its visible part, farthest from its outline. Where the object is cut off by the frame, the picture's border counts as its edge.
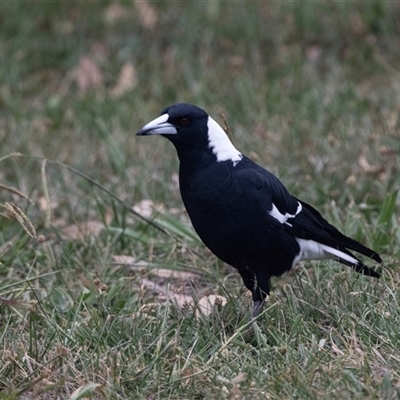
(241, 211)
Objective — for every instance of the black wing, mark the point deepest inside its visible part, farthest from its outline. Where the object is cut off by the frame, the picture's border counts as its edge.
(306, 222)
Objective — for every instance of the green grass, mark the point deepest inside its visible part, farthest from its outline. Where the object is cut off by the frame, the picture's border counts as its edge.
(310, 91)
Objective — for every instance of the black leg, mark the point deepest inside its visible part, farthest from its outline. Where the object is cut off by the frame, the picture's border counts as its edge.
(249, 279)
(260, 292)
(259, 285)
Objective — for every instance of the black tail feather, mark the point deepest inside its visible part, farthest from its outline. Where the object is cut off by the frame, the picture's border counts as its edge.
(359, 266)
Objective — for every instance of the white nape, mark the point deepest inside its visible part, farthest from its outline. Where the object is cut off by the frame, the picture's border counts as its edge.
(282, 218)
(312, 250)
(220, 144)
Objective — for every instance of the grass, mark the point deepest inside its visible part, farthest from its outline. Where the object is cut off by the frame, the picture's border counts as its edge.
(310, 91)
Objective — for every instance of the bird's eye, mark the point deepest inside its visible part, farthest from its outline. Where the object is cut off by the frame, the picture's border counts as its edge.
(184, 121)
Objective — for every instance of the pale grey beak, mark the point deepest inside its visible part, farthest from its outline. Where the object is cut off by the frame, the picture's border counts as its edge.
(158, 126)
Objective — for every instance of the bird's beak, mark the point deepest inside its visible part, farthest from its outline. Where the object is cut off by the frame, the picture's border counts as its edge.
(158, 126)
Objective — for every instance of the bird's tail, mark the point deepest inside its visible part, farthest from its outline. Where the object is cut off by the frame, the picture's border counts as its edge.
(343, 241)
(347, 258)
(361, 268)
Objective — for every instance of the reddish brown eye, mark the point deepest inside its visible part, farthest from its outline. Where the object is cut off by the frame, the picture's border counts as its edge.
(184, 121)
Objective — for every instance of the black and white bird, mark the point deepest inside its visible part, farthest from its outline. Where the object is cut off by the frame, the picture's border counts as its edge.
(241, 211)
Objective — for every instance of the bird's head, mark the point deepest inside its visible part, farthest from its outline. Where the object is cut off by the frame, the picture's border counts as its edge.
(190, 128)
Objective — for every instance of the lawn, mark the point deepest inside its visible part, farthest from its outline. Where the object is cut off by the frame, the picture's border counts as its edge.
(104, 285)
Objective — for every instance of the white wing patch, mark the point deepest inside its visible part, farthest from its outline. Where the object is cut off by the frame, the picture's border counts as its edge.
(312, 250)
(282, 218)
(220, 144)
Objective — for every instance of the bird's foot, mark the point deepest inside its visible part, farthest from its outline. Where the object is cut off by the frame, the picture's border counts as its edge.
(257, 308)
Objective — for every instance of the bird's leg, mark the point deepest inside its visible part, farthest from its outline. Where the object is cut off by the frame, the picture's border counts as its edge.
(259, 285)
(249, 278)
(260, 292)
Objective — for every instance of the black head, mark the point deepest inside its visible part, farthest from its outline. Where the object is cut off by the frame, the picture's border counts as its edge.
(191, 129)
(178, 122)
